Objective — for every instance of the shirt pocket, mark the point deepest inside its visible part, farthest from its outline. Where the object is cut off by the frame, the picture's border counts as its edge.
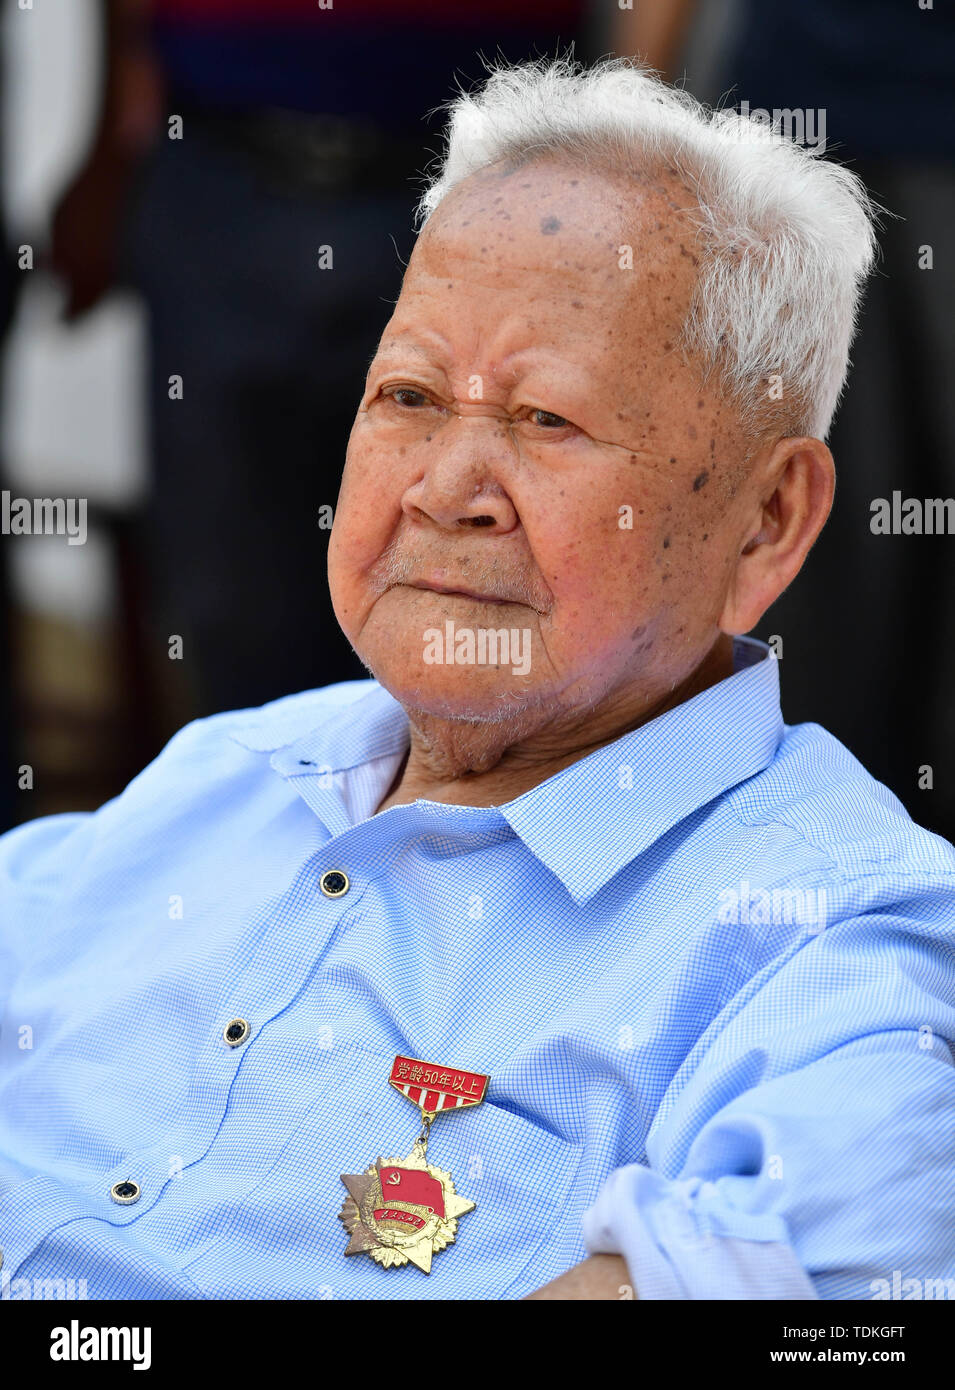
(519, 1176)
(517, 1172)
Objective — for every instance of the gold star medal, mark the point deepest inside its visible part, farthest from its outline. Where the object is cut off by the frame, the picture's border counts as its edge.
(405, 1209)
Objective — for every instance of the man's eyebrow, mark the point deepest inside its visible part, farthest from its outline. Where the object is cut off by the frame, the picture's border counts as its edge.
(388, 350)
(396, 345)
(401, 349)
(421, 338)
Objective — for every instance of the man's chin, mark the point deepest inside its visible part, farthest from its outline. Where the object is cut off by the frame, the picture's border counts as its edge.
(458, 693)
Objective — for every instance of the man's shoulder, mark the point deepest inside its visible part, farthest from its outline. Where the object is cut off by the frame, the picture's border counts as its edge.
(265, 728)
(200, 763)
(213, 772)
(208, 753)
(280, 722)
(817, 789)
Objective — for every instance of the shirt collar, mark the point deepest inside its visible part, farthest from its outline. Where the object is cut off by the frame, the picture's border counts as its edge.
(584, 823)
(589, 821)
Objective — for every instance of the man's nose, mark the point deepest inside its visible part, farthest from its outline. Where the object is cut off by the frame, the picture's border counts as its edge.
(460, 485)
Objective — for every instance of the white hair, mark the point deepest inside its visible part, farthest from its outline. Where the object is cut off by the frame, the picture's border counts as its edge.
(786, 237)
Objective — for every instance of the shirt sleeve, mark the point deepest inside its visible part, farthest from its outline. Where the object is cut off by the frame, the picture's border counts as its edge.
(671, 1236)
(36, 861)
(42, 860)
(804, 1149)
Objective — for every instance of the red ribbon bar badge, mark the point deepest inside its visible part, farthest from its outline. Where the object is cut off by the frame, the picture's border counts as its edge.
(435, 1088)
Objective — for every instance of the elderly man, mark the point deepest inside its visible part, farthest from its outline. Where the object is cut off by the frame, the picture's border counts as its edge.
(669, 982)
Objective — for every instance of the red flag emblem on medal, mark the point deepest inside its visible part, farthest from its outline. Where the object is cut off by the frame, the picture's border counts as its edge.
(407, 1185)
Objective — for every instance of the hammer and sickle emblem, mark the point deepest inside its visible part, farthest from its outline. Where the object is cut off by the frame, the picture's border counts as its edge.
(394, 1177)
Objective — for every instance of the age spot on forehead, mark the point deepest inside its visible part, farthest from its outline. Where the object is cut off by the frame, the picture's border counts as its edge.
(550, 225)
(699, 480)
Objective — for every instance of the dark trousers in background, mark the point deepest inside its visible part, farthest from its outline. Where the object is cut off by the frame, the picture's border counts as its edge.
(272, 350)
(868, 626)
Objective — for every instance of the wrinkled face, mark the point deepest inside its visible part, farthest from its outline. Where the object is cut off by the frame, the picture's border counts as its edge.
(532, 455)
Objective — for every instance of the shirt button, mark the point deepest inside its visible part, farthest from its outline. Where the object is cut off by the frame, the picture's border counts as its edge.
(236, 1032)
(125, 1193)
(334, 884)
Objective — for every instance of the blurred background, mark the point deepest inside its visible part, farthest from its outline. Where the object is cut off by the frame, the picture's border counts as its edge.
(206, 207)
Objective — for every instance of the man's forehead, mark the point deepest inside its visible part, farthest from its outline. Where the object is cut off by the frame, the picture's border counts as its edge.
(574, 241)
(538, 316)
(420, 342)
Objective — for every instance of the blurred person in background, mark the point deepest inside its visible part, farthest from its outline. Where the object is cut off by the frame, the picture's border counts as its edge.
(880, 73)
(267, 230)
(9, 284)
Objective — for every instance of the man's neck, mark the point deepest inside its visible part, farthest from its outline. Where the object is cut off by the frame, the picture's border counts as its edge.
(483, 764)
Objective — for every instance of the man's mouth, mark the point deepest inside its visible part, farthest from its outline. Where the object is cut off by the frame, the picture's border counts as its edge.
(457, 592)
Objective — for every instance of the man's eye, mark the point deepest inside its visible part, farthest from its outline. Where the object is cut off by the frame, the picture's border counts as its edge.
(547, 419)
(408, 397)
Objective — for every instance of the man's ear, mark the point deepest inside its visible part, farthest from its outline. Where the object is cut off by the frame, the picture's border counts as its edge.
(790, 511)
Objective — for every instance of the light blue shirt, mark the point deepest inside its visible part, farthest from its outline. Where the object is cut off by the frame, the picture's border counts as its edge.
(710, 969)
